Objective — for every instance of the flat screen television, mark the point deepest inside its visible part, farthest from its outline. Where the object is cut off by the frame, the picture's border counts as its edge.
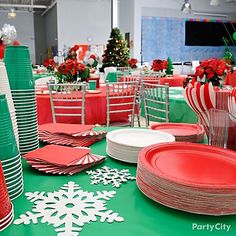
(208, 33)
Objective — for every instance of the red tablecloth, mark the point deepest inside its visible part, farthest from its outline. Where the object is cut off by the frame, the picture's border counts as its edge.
(231, 79)
(173, 81)
(95, 112)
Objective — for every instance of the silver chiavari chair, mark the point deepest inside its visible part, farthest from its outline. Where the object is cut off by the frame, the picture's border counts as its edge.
(156, 102)
(67, 100)
(121, 98)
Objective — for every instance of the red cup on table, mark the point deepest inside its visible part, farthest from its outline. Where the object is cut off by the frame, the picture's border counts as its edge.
(6, 212)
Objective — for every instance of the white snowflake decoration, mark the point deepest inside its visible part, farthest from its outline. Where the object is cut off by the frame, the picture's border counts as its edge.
(106, 176)
(69, 209)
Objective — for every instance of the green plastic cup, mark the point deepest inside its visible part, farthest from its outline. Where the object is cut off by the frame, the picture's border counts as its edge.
(92, 84)
(111, 77)
(16, 52)
(8, 146)
(18, 65)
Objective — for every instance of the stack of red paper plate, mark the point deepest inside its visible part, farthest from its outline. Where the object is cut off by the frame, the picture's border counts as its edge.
(6, 212)
(56, 159)
(70, 134)
(183, 132)
(190, 177)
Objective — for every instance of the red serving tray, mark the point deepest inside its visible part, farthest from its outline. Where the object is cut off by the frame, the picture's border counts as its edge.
(195, 165)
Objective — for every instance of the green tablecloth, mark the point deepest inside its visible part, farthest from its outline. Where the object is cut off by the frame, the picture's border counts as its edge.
(180, 112)
(143, 217)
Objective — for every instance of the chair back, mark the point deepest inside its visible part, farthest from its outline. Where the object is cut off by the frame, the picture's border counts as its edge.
(122, 72)
(156, 102)
(152, 78)
(121, 98)
(67, 100)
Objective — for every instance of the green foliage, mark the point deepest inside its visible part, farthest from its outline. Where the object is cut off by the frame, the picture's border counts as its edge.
(117, 53)
(228, 55)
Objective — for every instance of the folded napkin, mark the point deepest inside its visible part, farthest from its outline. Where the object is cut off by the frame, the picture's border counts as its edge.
(56, 159)
(62, 128)
(70, 134)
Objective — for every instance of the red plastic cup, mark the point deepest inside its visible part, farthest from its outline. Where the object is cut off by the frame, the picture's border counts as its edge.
(5, 202)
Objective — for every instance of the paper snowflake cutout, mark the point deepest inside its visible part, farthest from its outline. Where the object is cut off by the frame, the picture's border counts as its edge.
(69, 209)
(106, 176)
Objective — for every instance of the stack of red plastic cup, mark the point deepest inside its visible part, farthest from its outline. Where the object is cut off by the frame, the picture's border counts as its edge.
(6, 212)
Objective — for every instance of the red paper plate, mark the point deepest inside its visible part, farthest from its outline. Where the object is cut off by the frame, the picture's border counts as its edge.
(191, 164)
(179, 129)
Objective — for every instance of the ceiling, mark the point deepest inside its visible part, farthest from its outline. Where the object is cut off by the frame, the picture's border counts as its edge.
(24, 5)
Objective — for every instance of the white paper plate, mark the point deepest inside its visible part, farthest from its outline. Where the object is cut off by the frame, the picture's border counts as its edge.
(138, 137)
(121, 158)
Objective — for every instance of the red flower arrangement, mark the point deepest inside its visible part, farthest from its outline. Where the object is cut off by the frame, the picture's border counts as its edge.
(159, 65)
(50, 64)
(72, 54)
(133, 62)
(67, 70)
(212, 69)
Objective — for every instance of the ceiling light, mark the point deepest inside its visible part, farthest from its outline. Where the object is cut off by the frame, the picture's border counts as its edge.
(186, 7)
(215, 2)
(11, 14)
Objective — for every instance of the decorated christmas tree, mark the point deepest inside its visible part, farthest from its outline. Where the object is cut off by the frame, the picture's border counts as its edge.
(169, 70)
(116, 53)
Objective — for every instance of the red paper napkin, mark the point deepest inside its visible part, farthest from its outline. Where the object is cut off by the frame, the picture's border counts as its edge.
(58, 155)
(69, 129)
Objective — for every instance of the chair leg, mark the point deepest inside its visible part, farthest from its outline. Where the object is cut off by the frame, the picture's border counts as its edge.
(138, 118)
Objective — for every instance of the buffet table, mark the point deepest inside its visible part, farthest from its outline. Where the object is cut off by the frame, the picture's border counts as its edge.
(142, 216)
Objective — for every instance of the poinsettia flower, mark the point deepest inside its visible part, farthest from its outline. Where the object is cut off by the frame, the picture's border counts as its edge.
(74, 48)
(93, 56)
(133, 62)
(200, 72)
(50, 64)
(159, 65)
(81, 67)
(212, 68)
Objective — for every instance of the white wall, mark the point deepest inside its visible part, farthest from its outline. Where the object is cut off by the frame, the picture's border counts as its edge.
(79, 20)
(24, 24)
(50, 21)
(126, 18)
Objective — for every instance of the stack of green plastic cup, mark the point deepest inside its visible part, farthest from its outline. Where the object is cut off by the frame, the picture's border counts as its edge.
(5, 89)
(9, 153)
(19, 70)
